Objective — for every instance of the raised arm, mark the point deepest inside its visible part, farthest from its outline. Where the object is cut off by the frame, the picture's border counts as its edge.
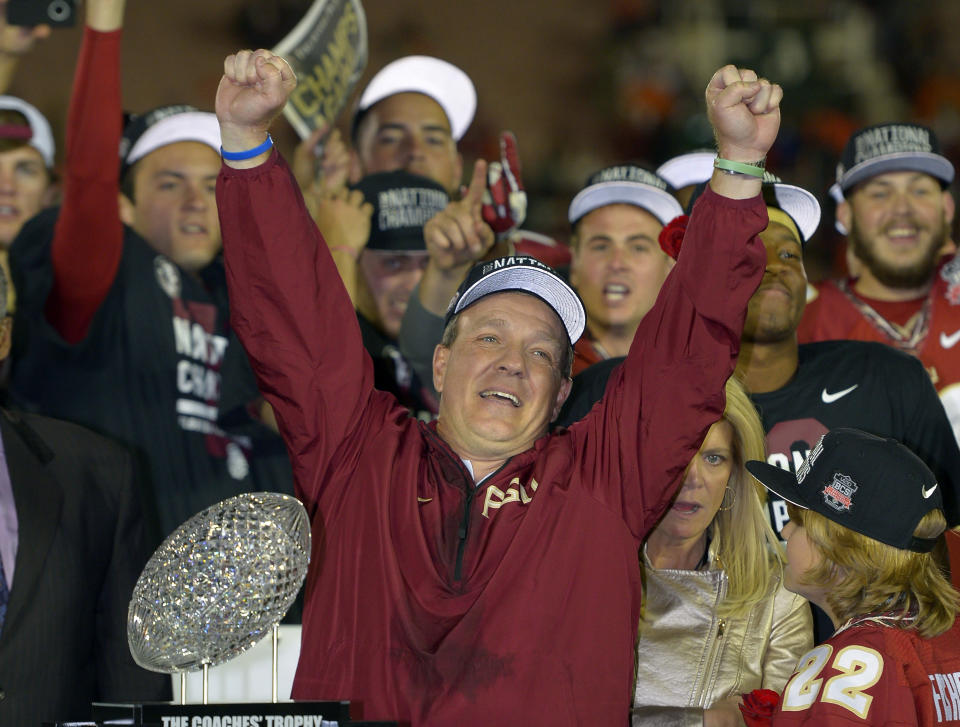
(669, 391)
(288, 304)
(88, 238)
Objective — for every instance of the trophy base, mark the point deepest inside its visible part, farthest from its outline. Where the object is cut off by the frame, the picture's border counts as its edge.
(245, 714)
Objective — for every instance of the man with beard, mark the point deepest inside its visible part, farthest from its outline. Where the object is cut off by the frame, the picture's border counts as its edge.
(897, 211)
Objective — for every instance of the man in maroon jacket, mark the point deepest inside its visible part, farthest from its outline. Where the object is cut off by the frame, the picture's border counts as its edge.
(476, 570)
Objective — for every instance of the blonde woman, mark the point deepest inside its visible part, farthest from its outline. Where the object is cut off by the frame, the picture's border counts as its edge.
(716, 619)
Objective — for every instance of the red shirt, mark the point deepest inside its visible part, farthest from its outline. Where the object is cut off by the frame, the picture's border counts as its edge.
(437, 601)
(871, 674)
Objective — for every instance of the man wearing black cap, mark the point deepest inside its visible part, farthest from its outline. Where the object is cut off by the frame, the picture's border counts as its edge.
(865, 513)
(897, 210)
(475, 570)
(381, 267)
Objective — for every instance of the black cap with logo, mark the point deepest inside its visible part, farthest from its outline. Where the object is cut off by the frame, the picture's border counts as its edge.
(874, 486)
(892, 148)
(402, 205)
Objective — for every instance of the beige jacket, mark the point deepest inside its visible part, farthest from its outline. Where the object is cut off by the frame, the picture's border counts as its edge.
(689, 658)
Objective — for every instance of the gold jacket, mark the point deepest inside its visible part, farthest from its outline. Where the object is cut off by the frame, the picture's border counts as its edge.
(688, 657)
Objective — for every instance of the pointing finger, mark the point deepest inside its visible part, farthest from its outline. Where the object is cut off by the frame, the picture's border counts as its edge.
(478, 183)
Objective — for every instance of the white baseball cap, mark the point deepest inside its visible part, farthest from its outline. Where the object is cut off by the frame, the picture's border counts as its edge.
(687, 169)
(625, 184)
(40, 137)
(442, 81)
(145, 133)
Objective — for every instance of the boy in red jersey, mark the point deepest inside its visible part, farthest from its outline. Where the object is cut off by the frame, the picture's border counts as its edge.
(864, 514)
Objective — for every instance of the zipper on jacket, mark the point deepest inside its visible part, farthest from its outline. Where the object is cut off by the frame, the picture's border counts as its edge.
(716, 647)
(471, 488)
(463, 532)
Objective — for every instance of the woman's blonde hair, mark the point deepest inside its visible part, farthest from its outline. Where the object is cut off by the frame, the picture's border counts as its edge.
(748, 549)
(869, 577)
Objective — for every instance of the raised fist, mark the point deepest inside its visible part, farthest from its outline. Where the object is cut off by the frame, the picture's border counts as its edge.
(745, 113)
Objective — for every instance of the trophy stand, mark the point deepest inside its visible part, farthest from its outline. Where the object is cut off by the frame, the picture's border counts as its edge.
(211, 591)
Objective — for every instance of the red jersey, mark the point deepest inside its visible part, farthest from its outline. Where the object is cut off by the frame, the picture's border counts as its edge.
(931, 335)
(437, 601)
(875, 674)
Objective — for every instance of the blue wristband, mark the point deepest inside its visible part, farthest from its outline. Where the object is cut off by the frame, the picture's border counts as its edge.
(239, 156)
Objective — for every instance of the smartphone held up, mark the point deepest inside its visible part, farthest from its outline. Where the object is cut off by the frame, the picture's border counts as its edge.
(28, 13)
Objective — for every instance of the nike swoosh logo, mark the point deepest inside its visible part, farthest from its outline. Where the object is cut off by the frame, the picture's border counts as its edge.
(927, 493)
(424, 499)
(829, 398)
(951, 340)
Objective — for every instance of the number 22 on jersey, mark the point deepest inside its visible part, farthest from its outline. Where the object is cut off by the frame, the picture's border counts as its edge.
(859, 669)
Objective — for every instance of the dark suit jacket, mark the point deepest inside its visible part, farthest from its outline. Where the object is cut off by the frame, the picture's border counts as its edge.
(64, 642)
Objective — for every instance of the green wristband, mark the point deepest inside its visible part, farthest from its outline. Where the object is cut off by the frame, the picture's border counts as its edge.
(754, 169)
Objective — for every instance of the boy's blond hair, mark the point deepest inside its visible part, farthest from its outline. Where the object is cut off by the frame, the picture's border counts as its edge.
(866, 576)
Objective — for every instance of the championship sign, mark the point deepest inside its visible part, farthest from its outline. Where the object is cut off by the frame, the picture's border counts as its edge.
(328, 51)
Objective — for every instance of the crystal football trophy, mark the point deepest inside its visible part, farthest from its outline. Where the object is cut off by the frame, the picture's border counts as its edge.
(218, 584)
(210, 592)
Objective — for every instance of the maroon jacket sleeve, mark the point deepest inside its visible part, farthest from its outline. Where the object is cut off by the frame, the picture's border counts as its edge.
(88, 238)
(634, 446)
(293, 316)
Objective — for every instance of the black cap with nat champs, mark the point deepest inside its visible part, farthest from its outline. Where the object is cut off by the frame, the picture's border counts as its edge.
(892, 148)
(874, 486)
(526, 275)
(402, 205)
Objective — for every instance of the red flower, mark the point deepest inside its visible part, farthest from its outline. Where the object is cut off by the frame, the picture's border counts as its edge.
(671, 236)
(758, 707)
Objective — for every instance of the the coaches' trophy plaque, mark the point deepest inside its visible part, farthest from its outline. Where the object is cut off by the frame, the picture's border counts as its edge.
(211, 591)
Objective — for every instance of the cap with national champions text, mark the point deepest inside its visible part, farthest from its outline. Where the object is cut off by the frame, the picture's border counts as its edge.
(147, 132)
(869, 484)
(442, 81)
(526, 275)
(402, 205)
(625, 184)
(892, 148)
(37, 134)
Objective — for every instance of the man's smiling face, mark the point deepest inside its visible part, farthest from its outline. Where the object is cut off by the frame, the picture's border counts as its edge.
(898, 223)
(500, 378)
